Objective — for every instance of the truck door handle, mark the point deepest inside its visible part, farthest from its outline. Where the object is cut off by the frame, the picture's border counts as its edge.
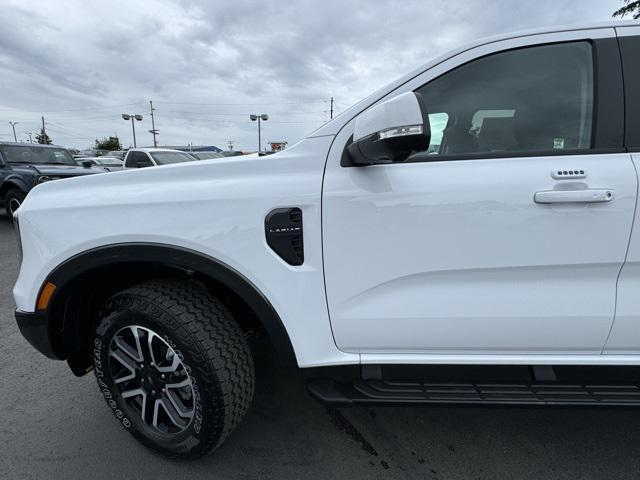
(574, 196)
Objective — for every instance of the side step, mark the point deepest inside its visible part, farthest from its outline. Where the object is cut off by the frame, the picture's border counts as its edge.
(386, 392)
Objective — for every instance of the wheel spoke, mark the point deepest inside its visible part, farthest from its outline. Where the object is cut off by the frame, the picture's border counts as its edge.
(175, 364)
(185, 383)
(138, 392)
(145, 401)
(126, 348)
(173, 413)
(126, 363)
(136, 336)
(176, 401)
(133, 393)
(150, 337)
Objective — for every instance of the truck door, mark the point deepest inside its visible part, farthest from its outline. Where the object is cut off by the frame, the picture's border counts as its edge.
(506, 234)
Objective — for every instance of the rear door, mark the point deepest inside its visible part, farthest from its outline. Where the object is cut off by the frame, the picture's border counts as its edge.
(507, 233)
(625, 334)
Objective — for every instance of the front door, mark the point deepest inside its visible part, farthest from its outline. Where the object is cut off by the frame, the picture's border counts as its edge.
(505, 235)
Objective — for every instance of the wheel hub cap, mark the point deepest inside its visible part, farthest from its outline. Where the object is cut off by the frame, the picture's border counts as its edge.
(151, 379)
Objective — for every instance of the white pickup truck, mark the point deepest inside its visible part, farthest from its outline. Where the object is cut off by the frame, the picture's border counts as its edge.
(464, 235)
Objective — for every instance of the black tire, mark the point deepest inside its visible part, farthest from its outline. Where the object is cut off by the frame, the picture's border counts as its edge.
(213, 351)
(12, 200)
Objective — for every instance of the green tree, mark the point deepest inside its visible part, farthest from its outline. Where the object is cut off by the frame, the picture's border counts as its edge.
(43, 138)
(632, 7)
(111, 143)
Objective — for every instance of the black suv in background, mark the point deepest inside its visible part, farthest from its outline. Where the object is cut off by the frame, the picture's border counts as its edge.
(25, 165)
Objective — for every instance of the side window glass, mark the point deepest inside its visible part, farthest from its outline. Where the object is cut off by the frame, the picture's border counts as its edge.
(535, 99)
(129, 160)
(437, 123)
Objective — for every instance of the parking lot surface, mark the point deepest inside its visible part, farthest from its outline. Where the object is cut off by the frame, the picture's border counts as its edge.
(55, 425)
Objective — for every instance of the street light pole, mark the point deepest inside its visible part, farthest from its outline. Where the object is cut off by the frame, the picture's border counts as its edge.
(132, 117)
(133, 127)
(13, 125)
(153, 125)
(255, 117)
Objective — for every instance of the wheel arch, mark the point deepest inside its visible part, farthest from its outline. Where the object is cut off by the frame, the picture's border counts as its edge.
(12, 183)
(85, 280)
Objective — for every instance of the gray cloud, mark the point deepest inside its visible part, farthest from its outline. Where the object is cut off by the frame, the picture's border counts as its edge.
(206, 65)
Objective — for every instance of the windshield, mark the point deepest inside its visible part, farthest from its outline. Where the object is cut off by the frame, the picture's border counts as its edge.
(165, 158)
(37, 155)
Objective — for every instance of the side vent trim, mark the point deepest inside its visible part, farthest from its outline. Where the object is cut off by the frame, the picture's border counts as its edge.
(284, 234)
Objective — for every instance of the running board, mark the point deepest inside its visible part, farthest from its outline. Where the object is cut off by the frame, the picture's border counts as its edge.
(385, 392)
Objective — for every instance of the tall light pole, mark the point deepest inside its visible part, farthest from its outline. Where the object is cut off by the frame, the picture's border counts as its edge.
(255, 117)
(30, 139)
(153, 130)
(132, 117)
(13, 125)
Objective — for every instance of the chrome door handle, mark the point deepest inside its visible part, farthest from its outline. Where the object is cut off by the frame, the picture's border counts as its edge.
(574, 196)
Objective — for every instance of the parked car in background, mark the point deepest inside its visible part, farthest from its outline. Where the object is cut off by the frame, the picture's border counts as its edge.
(111, 163)
(116, 153)
(25, 165)
(207, 155)
(153, 157)
(93, 152)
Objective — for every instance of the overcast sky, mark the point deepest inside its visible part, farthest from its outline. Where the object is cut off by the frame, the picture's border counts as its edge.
(208, 64)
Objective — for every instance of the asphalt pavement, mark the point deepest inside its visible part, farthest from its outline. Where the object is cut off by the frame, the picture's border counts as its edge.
(54, 425)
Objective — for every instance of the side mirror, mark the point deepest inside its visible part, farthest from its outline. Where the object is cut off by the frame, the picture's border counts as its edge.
(390, 131)
(87, 164)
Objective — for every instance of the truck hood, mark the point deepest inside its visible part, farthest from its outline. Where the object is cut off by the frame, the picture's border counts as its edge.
(219, 180)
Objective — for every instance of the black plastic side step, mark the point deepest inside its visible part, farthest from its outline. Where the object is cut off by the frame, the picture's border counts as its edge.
(385, 392)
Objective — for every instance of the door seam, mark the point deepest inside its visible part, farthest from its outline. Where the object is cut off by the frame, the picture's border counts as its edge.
(624, 262)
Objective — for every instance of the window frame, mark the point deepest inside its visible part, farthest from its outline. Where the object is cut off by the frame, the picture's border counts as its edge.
(608, 97)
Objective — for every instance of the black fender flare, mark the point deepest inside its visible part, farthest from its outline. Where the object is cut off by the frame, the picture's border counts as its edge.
(11, 182)
(185, 259)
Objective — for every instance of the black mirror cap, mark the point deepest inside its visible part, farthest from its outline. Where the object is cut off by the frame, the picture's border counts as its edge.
(87, 164)
(371, 150)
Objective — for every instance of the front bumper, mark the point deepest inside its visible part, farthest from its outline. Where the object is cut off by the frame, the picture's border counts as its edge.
(35, 329)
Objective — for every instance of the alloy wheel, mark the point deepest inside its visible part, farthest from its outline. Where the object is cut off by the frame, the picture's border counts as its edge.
(152, 380)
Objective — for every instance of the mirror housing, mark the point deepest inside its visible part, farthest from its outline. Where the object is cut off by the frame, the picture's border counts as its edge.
(87, 164)
(390, 131)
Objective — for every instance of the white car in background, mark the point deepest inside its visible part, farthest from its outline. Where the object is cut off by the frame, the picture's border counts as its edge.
(153, 157)
(111, 163)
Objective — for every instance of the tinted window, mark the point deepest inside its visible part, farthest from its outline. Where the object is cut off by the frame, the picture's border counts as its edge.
(630, 48)
(532, 99)
(36, 155)
(138, 160)
(165, 158)
(128, 160)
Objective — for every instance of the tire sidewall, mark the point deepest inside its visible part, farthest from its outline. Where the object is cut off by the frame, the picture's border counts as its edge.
(204, 429)
(13, 194)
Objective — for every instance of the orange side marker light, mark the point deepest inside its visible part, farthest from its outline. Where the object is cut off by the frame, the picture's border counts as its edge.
(45, 295)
